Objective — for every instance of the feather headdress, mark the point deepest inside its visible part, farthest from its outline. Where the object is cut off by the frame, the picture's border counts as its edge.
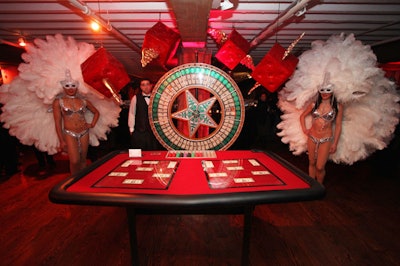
(371, 103)
(28, 98)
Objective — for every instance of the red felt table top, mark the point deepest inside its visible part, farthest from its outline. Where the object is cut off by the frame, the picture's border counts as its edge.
(190, 178)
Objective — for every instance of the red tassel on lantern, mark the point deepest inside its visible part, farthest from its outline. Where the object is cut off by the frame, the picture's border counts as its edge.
(233, 50)
(159, 45)
(102, 66)
(272, 71)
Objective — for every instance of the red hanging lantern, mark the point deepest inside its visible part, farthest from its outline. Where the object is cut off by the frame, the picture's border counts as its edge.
(275, 68)
(104, 73)
(218, 36)
(159, 45)
(234, 49)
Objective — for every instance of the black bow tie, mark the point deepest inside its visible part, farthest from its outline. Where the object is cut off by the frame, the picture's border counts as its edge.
(146, 96)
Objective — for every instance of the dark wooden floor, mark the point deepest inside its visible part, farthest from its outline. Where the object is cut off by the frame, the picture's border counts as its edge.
(357, 223)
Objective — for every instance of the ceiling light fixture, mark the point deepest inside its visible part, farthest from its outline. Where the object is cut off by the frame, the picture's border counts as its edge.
(95, 26)
(88, 12)
(301, 12)
(106, 24)
(226, 4)
(297, 8)
(21, 41)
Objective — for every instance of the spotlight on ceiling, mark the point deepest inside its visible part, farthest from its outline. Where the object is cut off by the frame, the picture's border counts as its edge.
(226, 4)
(22, 42)
(95, 26)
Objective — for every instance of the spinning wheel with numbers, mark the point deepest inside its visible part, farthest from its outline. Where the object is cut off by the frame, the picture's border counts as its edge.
(174, 102)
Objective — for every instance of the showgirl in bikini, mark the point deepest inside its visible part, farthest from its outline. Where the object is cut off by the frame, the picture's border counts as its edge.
(72, 129)
(323, 136)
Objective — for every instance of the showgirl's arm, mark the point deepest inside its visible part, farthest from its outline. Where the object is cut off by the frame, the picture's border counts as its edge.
(95, 112)
(338, 128)
(306, 112)
(58, 122)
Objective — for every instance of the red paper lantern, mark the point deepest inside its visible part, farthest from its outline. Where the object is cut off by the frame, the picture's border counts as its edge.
(160, 43)
(102, 66)
(233, 50)
(272, 71)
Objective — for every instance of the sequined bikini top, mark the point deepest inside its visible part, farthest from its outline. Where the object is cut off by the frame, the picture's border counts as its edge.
(68, 111)
(328, 117)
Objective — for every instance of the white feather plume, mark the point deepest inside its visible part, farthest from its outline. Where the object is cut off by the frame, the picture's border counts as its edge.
(28, 98)
(371, 103)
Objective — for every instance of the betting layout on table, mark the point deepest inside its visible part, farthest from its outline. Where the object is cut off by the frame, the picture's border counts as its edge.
(138, 173)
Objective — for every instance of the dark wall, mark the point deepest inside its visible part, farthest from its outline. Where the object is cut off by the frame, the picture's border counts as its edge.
(388, 52)
(10, 55)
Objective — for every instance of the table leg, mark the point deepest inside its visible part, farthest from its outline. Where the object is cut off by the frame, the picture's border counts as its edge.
(248, 214)
(131, 214)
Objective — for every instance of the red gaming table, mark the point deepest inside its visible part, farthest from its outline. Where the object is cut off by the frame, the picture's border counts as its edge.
(188, 182)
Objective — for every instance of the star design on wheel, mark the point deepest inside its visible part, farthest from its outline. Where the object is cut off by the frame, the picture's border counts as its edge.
(196, 113)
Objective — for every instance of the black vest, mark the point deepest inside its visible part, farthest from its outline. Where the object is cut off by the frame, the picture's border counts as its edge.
(142, 115)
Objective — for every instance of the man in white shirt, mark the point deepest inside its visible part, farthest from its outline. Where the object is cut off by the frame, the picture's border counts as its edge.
(142, 136)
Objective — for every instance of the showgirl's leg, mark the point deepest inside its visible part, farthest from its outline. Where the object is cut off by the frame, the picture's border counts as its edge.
(311, 158)
(84, 147)
(323, 154)
(73, 153)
